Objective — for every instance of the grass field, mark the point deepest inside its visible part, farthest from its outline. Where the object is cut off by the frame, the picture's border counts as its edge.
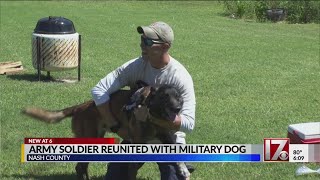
(251, 79)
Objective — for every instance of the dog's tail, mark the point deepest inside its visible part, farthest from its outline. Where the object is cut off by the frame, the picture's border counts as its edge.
(54, 116)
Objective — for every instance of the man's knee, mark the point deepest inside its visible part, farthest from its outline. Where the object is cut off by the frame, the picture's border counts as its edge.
(169, 171)
(117, 171)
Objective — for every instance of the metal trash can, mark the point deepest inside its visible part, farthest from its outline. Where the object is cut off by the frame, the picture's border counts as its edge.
(56, 46)
(276, 15)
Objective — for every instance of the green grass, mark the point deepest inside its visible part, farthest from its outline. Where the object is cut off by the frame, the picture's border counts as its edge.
(251, 79)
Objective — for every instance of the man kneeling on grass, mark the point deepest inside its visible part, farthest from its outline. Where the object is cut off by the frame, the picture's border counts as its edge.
(155, 67)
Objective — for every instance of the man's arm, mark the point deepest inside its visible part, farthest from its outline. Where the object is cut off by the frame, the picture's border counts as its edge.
(101, 95)
(107, 118)
(187, 115)
(108, 85)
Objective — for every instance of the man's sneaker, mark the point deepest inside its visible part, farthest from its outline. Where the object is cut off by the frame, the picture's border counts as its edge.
(190, 168)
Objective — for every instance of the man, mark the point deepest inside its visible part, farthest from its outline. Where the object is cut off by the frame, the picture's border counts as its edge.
(156, 67)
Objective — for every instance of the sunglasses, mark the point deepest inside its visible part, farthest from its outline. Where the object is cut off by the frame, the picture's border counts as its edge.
(150, 42)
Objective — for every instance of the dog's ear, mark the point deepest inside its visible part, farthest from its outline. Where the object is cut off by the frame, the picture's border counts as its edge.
(152, 93)
(144, 94)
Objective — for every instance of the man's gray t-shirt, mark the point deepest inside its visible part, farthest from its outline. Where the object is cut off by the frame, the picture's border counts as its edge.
(173, 74)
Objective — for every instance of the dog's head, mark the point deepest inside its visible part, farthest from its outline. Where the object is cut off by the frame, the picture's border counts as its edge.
(165, 102)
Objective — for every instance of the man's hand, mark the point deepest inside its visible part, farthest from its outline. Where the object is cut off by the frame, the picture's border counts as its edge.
(123, 133)
(170, 125)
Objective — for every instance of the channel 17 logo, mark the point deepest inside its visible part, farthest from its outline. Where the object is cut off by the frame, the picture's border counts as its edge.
(276, 149)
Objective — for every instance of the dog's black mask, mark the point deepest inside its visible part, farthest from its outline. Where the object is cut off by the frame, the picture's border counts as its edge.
(165, 103)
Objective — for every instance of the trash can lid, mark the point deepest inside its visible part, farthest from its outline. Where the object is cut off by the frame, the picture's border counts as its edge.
(54, 25)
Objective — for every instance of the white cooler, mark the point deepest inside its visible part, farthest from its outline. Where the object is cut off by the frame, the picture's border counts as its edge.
(304, 133)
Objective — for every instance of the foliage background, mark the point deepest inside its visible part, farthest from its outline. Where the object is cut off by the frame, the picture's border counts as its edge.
(306, 11)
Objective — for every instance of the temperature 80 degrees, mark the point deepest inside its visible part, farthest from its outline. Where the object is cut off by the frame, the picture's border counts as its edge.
(297, 152)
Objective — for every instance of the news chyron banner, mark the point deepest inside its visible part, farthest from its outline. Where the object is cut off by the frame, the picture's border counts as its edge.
(109, 150)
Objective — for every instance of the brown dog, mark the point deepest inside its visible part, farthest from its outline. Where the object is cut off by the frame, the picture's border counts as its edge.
(162, 103)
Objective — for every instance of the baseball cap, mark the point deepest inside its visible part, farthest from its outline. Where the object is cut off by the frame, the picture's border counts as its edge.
(158, 30)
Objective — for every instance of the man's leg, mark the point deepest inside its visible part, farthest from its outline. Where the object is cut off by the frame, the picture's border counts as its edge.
(190, 167)
(169, 171)
(118, 171)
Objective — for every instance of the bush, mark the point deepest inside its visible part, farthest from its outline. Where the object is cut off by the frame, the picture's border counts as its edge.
(239, 9)
(303, 11)
(295, 11)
